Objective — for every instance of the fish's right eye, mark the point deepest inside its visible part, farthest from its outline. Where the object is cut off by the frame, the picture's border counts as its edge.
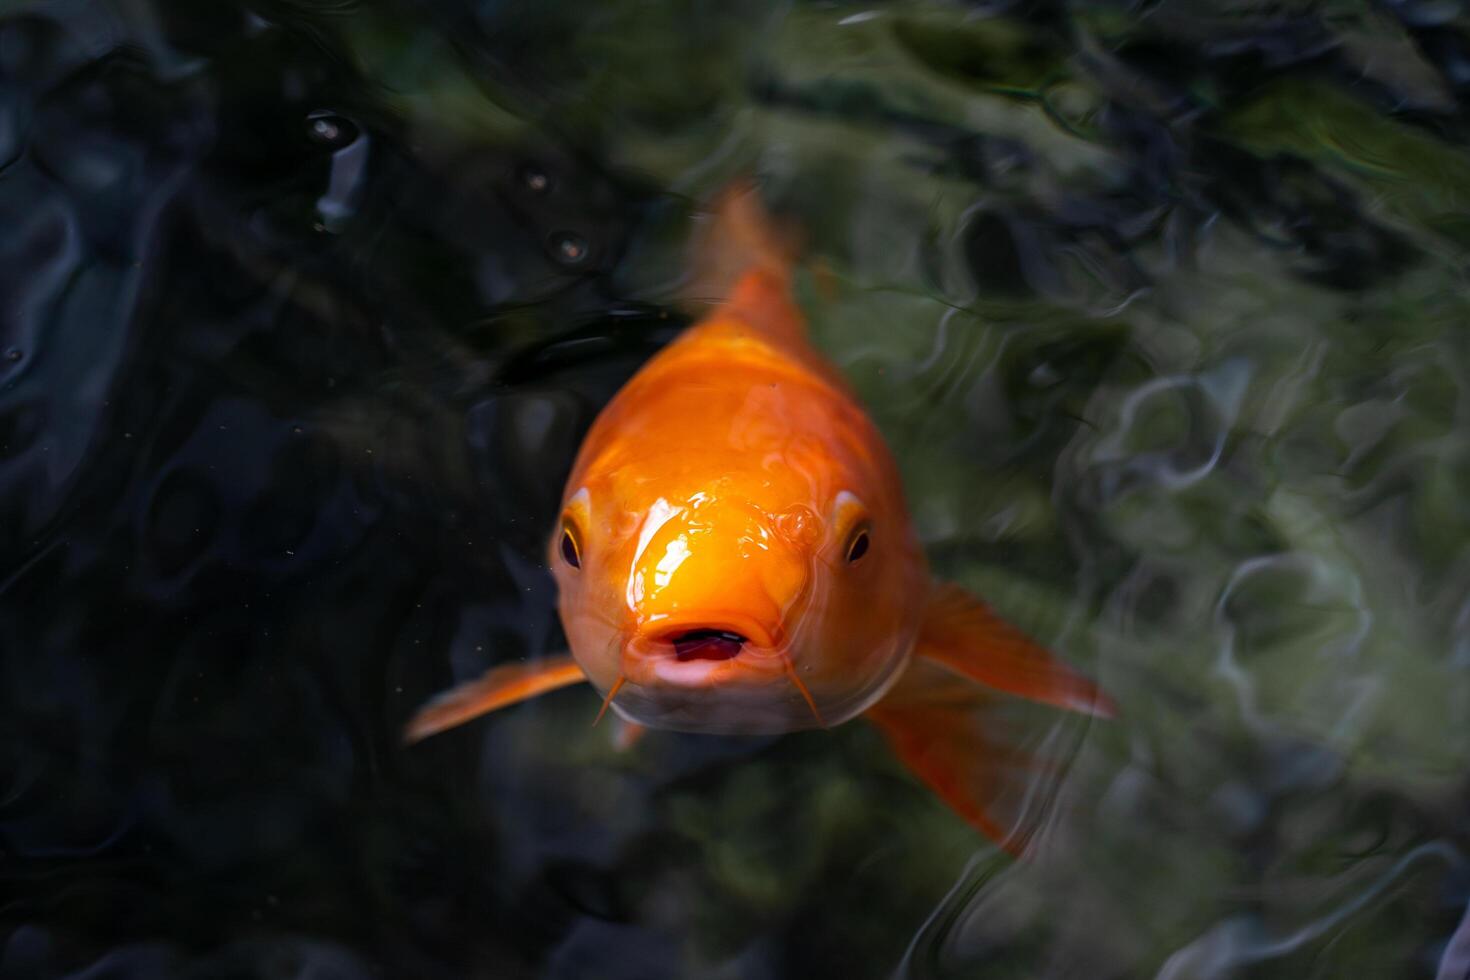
(570, 553)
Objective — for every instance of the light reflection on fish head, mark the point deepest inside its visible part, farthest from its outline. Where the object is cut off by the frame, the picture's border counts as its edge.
(738, 606)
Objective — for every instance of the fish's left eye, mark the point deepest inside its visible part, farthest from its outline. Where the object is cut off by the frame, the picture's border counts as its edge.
(858, 546)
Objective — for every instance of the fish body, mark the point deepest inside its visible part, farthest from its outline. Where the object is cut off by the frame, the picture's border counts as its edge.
(725, 490)
(735, 555)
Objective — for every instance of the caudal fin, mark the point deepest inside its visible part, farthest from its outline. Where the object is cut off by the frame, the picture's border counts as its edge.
(497, 688)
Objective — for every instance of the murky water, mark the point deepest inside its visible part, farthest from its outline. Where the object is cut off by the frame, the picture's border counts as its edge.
(305, 304)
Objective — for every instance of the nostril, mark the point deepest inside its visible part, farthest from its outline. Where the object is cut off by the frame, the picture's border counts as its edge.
(799, 525)
(706, 644)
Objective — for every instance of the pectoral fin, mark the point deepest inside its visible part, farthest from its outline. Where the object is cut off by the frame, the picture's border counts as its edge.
(496, 688)
(946, 719)
(946, 731)
(965, 635)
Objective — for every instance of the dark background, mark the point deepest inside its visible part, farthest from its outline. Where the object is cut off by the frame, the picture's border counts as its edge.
(291, 379)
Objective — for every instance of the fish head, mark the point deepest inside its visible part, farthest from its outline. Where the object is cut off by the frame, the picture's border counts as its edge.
(736, 602)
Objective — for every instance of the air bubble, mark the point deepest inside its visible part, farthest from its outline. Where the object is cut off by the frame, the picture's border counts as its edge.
(330, 130)
(535, 179)
(569, 248)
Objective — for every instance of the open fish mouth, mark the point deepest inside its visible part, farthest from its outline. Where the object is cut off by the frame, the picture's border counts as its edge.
(723, 636)
(703, 653)
(675, 673)
(707, 644)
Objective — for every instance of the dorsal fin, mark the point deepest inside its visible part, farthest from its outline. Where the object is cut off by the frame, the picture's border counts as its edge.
(743, 264)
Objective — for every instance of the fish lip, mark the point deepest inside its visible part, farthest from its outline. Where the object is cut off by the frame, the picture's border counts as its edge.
(708, 644)
(652, 660)
(657, 638)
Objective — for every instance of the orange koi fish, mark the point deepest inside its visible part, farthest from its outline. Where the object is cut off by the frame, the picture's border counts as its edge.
(734, 555)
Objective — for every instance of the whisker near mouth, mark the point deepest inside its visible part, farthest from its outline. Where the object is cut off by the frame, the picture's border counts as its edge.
(707, 644)
(607, 701)
(805, 693)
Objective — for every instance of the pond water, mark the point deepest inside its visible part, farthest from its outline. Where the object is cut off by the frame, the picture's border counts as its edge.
(306, 304)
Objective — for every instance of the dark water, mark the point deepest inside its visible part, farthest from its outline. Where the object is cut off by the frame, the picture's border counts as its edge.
(305, 304)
